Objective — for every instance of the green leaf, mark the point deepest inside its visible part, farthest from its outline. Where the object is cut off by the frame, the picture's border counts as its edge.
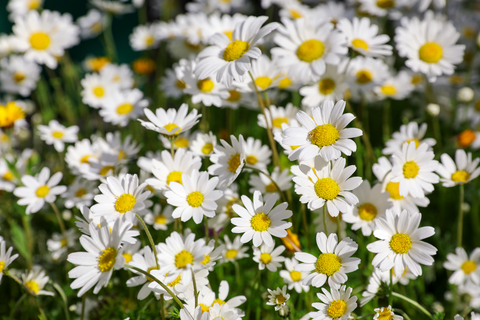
(439, 316)
(19, 240)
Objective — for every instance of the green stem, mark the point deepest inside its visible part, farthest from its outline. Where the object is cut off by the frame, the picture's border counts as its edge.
(206, 230)
(282, 196)
(414, 303)
(108, 37)
(28, 234)
(150, 239)
(172, 144)
(325, 219)
(17, 304)
(386, 120)
(390, 289)
(60, 220)
(162, 307)
(305, 225)
(364, 136)
(82, 315)
(195, 292)
(339, 229)
(42, 313)
(405, 315)
(460, 217)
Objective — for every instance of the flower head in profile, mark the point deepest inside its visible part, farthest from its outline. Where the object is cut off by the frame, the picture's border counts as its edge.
(35, 280)
(171, 122)
(228, 160)
(6, 257)
(460, 171)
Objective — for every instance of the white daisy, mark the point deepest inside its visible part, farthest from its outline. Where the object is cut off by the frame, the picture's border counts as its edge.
(122, 107)
(462, 171)
(364, 73)
(171, 121)
(400, 244)
(322, 134)
(398, 87)
(172, 84)
(58, 245)
(276, 116)
(120, 75)
(263, 183)
(233, 251)
(97, 89)
(203, 144)
(228, 161)
(334, 262)
(80, 193)
(91, 24)
(386, 313)
(112, 7)
(38, 190)
(6, 258)
(57, 134)
(160, 217)
(35, 280)
(278, 297)
(19, 75)
(143, 38)
(265, 73)
(256, 154)
(335, 305)
(269, 257)
(465, 268)
(19, 8)
(330, 86)
(259, 220)
(293, 277)
(145, 261)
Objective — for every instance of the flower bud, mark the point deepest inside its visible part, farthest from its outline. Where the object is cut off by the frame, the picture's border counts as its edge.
(465, 94)
(433, 109)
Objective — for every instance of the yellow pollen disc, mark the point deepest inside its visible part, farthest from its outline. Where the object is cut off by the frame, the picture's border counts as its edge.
(125, 203)
(231, 254)
(263, 82)
(125, 108)
(328, 263)
(310, 50)
(181, 143)
(180, 84)
(160, 219)
(205, 85)
(42, 191)
(296, 275)
(105, 170)
(96, 64)
(80, 193)
(174, 176)
(469, 266)
(128, 257)
(207, 148)
(416, 79)
(359, 43)
(8, 176)
(260, 222)
(33, 286)
(394, 189)
(34, 4)
(235, 50)
(295, 14)
(195, 199)
(206, 260)
(388, 90)
(364, 77)
(175, 282)
(324, 135)
(85, 158)
(149, 279)
(251, 159)
(271, 188)
(385, 4)
(169, 127)
(410, 169)
(234, 162)
(400, 243)
(326, 86)
(98, 92)
(460, 176)
(219, 301)
(106, 260)
(277, 122)
(430, 52)
(265, 258)
(385, 314)
(2, 266)
(204, 307)
(417, 142)
(280, 299)
(9, 114)
(336, 309)
(183, 258)
(229, 34)
(285, 83)
(40, 41)
(327, 188)
(149, 40)
(18, 77)
(121, 155)
(57, 134)
(367, 212)
(234, 95)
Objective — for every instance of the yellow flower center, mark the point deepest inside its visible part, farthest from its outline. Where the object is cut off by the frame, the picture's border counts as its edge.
(328, 263)
(160, 219)
(260, 222)
(40, 41)
(175, 282)
(207, 148)
(295, 14)
(229, 34)
(400, 243)
(98, 92)
(149, 279)
(174, 176)
(34, 4)
(271, 187)
(410, 169)
(204, 307)
(105, 170)
(359, 43)
(417, 142)
(430, 52)
(280, 299)
(205, 85)
(367, 211)
(9, 114)
(235, 50)
(2, 266)
(149, 40)
(336, 309)
(326, 86)
(327, 188)
(96, 64)
(388, 90)
(169, 127)
(469, 266)
(57, 134)
(8, 176)
(385, 4)
(263, 82)
(231, 254)
(106, 260)
(18, 77)
(195, 199)
(234, 95)
(385, 314)
(460, 176)
(128, 257)
(33, 286)
(324, 135)
(310, 50)
(85, 158)
(42, 191)
(285, 83)
(277, 122)
(265, 258)
(125, 203)
(125, 108)
(251, 160)
(234, 162)
(219, 301)
(364, 77)
(180, 84)
(80, 193)
(296, 275)
(183, 258)
(393, 188)
(416, 79)
(181, 143)
(206, 259)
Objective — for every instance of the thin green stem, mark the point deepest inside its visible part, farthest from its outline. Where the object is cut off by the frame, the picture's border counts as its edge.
(172, 145)
(60, 220)
(339, 228)
(82, 314)
(325, 218)
(305, 225)
(386, 120)
(460, 217)
(17, 304)
(150, 239)
(109, 41)
(195, 292)
(364, 136)
(42, 313)
(282, 196)
(405, 315)
(162, 307)
(207, 231)
(414, 303)
(390, 289)
(28, 235)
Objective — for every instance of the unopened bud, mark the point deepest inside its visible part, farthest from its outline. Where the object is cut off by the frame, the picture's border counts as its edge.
(433, 109)
(284, 311)
(465, 94)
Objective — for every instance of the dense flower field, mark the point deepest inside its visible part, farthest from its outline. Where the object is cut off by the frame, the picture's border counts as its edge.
(259, 159)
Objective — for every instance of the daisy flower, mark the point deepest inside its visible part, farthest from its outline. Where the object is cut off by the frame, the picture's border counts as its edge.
(330, 186)
(386, 313)
(145, 261)
(322, 134)
(143, 38)
(12, 115)
(122, 107)
(91, 24)
(19, 75)
(171, 122)
(305, 47)
(203, 144)
(335, 305)
(58, 245)
(400, 244)
(121, 198)
(112, 7)
(6, 258)
(35, 280)
(362, 36)
(278, 297)
(256, 154)
(229, 59)
(97, 89)
(233, 251)
(265, 75)
(276, 116)
(57, 134)
(397, 88)
(334, 262)
(19, 8)
(259, 220)
(120, 75)
(263, 183)
(330, 86)
(228, 160)
(462, 171)
(292, 277)
(160, 217)
(39, 189)
(429, 46)
(194, 197)
(372, 204)
(365, 73)
(465, 268)
(413, 168)
(130, 249)
(104, 253)
(172, 84)
(269, 257)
